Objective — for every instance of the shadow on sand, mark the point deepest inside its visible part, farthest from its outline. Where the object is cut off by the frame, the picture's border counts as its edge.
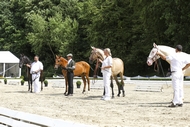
(17, 92)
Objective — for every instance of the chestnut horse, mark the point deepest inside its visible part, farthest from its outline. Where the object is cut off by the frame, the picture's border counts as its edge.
(23, 61)
(117, 68)
(82, 69)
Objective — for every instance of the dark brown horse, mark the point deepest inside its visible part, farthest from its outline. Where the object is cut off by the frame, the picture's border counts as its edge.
(23, 61)
(82, 69)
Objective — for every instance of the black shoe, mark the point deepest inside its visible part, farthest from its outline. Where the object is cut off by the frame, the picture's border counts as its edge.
(180, 105)
(172, 105)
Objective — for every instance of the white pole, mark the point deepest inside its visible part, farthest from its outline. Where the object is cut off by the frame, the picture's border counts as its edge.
(3, 69)
(19, 72)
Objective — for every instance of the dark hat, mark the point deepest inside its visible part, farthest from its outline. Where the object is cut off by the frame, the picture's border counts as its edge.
(179, 47)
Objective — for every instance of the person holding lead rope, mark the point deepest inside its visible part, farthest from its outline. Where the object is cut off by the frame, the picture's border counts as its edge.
(35, 69)
(179, 62)
(106, 71)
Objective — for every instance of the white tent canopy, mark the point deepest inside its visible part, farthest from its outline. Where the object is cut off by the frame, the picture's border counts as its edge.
(9, 65)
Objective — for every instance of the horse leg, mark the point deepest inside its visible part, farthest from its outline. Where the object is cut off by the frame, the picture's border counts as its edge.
(31, 86)
(41, 85)
(84, 81)
(28, 84)
(88, 81)
(41, 79)
(112, 87)
(122, 84)
(118, 85)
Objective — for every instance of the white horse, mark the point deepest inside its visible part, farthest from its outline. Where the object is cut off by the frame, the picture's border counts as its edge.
(166, 51)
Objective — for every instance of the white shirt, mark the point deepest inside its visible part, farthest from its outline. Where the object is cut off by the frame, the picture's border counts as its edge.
(107, 62)
(36, 66)
(178, 61)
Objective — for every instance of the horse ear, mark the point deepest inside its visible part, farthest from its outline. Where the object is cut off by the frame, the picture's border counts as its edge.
(92, 47)
(56, 56)
(154, 44)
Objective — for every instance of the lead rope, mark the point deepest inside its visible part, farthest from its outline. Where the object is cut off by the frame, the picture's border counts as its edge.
(156, 66)
(95, 73)
(163, 71)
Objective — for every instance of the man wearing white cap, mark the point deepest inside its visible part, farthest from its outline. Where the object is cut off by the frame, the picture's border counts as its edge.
(70, 67)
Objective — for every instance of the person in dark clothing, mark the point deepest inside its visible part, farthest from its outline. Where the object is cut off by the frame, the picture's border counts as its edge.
(70, 68)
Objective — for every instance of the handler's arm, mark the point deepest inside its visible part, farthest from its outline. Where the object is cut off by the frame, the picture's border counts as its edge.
(161, 55)
(28, 65)
(186, 66)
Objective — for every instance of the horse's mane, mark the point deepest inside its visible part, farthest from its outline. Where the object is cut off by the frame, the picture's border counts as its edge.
(101, 52)
(63, 58)
(28, 60)
(166, 49)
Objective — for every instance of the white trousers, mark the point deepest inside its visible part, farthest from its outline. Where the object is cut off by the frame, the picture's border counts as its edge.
(177, 83)
(35, 81)
(106, 79)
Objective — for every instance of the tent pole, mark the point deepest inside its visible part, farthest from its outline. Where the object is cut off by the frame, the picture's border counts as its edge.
(3, 69)
(19, 72)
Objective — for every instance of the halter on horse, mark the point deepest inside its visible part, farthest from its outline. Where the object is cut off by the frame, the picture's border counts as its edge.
(117, 68)
(23, 61)
(153, 57)
(82, 69)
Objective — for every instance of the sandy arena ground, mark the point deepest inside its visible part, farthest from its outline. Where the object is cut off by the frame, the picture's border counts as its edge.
(137, 109)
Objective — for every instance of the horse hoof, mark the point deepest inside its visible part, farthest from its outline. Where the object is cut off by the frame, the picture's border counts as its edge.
(118, 95)
(112, 97)
(123, 95)
(65, 93)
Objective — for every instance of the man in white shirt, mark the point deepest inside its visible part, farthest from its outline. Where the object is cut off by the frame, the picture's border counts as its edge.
(35, 69)
(179, 62)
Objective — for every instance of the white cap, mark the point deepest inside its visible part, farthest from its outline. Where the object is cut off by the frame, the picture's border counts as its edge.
(71, 55)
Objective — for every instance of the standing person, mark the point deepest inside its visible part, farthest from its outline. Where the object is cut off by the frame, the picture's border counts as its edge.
(70, 67)
(179, 61)
(35, 69)
(106, 71)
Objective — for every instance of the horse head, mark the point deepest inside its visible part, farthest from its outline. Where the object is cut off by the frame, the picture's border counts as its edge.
(95, 55)
(23, 60)
(152, 55)
(60, 61)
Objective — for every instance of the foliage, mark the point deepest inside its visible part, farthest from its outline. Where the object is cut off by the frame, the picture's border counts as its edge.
(127, 27)
(78, 82)
(45, 82)
(22, 77)
(5, 80)
(22, 81)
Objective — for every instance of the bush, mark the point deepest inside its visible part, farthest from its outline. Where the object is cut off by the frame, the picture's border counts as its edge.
(45, 82)
(78, 82)
(22, 82)
(5, 81)
(22, 77)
